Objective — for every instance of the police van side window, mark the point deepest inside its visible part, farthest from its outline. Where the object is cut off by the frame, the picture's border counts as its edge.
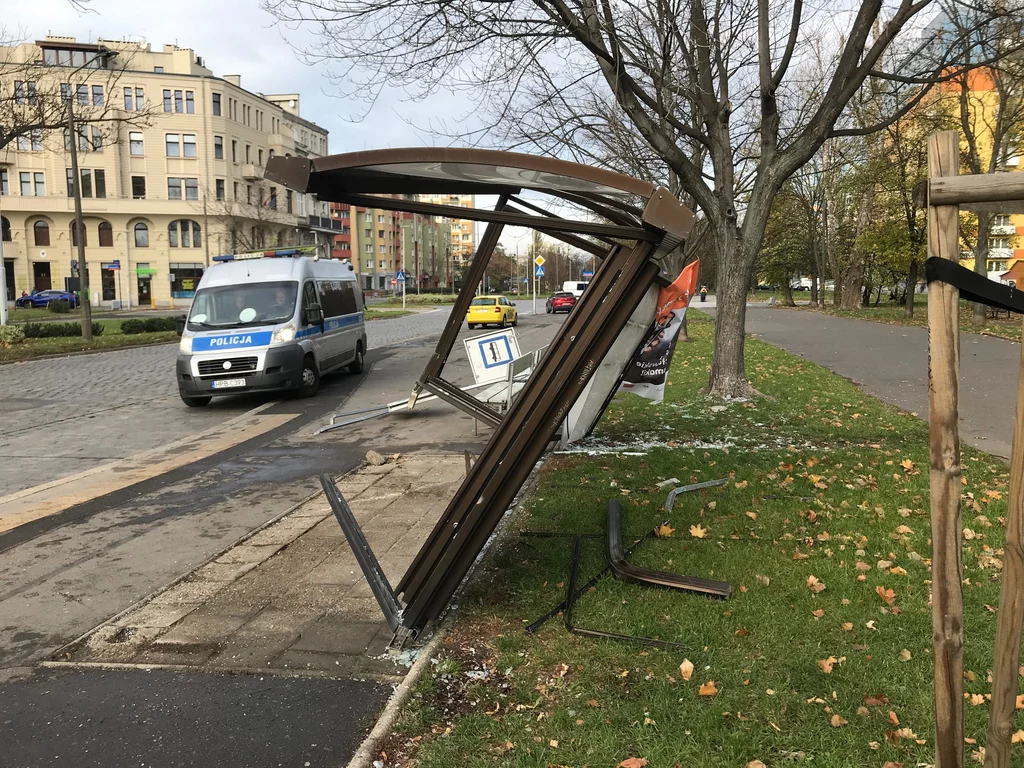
(308, 295)
(338, 297)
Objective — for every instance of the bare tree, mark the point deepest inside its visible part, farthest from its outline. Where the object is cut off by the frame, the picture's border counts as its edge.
(707, 90)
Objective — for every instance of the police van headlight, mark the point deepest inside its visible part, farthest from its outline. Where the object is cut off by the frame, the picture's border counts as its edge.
(283, 335)
(185, 345)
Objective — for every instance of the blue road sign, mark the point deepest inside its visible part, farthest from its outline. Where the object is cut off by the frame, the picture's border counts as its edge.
(538, 272)
(400, 277)
(526, 279)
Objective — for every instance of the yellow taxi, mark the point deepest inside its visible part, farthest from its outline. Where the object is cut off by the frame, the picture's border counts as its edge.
(491, 310)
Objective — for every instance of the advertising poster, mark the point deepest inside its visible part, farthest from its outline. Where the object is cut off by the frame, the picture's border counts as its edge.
(648, 370)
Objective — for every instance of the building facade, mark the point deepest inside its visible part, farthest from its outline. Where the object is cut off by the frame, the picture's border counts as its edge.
(171, 172)
(463, 231)
(381, 242)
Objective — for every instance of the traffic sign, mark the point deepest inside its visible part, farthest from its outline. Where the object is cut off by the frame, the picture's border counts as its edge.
(538, 272)
(115, 265)
(588, 273)
(400, 276)
(394, 282)
(539, 261)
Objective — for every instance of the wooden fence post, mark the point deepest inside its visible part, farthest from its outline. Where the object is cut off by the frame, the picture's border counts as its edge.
(944, 476)
(1011, 603)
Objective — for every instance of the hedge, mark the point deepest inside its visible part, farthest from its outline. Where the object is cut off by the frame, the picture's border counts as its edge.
(50, 330)
(59, 307)
(148, 325)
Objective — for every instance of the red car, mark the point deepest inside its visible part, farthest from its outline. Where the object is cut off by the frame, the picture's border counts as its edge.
(563, 301)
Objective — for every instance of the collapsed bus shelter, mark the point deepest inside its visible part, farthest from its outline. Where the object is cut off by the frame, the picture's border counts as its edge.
(630, 225)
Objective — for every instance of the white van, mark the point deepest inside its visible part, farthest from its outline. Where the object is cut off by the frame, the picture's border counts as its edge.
(574, 287)
(274, 320)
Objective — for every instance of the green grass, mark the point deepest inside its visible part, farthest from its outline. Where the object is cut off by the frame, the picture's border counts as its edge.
(373, 313)
(35, 315)
(893, 314)
(414, 299)
(864, 467)
(112, 338)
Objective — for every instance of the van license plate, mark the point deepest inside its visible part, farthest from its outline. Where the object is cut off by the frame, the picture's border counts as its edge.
(225, 383)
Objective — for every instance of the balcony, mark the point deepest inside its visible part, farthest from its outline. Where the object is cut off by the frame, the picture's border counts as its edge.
(325, 224)
(252, 172)
(1003, 229)
(1000, 253)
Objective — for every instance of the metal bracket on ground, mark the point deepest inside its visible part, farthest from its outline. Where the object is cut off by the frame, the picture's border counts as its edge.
(671, 500)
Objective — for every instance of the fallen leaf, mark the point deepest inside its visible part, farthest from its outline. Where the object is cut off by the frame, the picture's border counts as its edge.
(860, 565)
(976, 699)
(893, 718)
(887, 595)
(707, 689)
(756, 764)
(978, 755)
(742, 484)
(815, 585)
(904, 733)
(664, 530)
(766, 581)
(876, 700)
(698, 532)
(891, 764)
(897, 571)
(712, 504)
(1017, 738)
(800, 556)
(904, 529)
(994, 495)
(848, 626)
(594, 703)
(904, 655)
(554, 743)
(818, 613)
(863, 711)
(907, 464)
(752, 515)
(741, 632)
(825, 665)
(883, 564)
(837, 721)
(633, 762)
(686, 669)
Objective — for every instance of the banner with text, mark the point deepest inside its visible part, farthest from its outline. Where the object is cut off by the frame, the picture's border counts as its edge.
(648, 370)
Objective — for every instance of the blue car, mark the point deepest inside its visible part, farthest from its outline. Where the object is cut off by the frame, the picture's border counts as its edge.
(43, 298)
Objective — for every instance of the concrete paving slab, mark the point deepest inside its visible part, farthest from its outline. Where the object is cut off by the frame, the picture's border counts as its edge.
(337, 635)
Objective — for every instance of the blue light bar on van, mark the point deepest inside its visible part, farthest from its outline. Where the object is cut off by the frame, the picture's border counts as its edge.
(301, 250)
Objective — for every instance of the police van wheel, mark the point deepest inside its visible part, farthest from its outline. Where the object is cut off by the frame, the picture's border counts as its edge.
(196, 402)
(356, 366)
(310, 381)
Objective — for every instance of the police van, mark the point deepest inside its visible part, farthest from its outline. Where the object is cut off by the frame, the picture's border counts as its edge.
(270, 320)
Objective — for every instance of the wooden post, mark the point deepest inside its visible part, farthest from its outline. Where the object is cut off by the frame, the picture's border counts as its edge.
(1011, 603)
(944, 476)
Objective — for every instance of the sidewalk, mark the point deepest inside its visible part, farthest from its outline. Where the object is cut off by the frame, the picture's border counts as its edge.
(291, 597)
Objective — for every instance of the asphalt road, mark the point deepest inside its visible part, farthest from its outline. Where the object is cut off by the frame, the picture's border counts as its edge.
(100, 557)
(891, 363)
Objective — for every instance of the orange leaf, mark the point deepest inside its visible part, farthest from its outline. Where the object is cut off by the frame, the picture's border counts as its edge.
(848, 626)
(752, 515)
(837, 721)
(818, 613)
(698, 532)
(633, 762)
(708, 689)
(887, 595)
(876, 700)
(893, 719)
(663, 531)
(686, 669)
(814, 584)
(825, 665)
(594, 703)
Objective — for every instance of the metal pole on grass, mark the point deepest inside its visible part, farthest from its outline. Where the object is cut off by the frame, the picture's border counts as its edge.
(83, 266)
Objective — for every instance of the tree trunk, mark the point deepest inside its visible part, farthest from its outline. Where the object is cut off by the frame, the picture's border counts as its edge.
(908, 307)
(814, 290)
(853, 282)
(728, 372)
(683, 335)
(787, 293)
(981, 261)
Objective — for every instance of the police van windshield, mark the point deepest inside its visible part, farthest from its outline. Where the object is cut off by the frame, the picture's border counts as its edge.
(237, 306)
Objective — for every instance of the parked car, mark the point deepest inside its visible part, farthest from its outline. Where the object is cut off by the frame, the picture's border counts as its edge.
(562, 301)
(43, 298)
(491, 310)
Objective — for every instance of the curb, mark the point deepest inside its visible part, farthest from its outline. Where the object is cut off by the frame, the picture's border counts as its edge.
(364, 755)
(80, 352)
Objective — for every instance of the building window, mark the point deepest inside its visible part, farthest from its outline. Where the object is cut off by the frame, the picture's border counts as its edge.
(369, 263)
(82, 95)
(367, 233)
(85, 235)
(5, 182)
(97, 95)
(158, 70)
(23, 143)
(288, 200)
(174, 189)
(86, 182)
(167, 100)
(141, 235)
(186, 278)
(106, 233)
(380, 233)
(248, 194)
(191, 189)
(234, 151)
(97, 139)
(273, 199)
(40, 184)
(219, 185)
(41, 233)
(218, 147)
(381, 247)
(188, 141)
(173, 142)
(178, 102)
(248, 153)
(234, 190)
(216, 104)
(259, 156)
(999, 242)
(184, 234)
(139, 187)
(70, 175)
(383, 264)
(100, 177)
(190, 102)
(369, 247)
(128, 100)
(140, 99)
(380, 218)
(135, 143)
(367, 216)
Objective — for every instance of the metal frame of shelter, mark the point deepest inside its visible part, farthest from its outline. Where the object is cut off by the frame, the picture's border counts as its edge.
(640, 224)
(947, 284)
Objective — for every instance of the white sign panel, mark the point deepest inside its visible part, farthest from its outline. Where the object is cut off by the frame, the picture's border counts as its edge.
(490, 354)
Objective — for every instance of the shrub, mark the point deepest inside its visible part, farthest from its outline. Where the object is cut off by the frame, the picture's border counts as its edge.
(133, 326)
(54, 330)
(59, 307)
(10, 335)
(147, 325)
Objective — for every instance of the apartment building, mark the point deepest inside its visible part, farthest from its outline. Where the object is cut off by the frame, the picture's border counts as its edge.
(376, 239)
(170, 176)
(463, 231)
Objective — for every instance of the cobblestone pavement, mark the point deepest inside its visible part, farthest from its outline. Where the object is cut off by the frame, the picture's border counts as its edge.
(62, 416)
